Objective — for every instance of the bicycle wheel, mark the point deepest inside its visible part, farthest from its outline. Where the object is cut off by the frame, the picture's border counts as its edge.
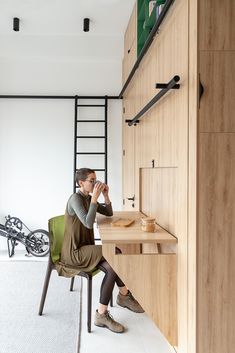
(38, 242)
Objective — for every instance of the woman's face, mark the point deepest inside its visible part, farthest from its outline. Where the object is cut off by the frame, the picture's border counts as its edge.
(88, 184)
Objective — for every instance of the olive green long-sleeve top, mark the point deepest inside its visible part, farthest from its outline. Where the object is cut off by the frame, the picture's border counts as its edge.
(76, 206)
(79, 252)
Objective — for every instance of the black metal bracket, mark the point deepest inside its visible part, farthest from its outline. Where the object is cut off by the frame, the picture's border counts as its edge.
(164, 85)
(128, 120)
(156, 98)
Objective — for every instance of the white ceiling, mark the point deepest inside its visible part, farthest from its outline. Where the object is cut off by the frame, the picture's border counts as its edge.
(53, 29)
(65, 17)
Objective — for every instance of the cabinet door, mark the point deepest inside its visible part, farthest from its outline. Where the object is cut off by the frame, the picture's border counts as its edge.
(216, 25)
(217, 104)
(130, 46)
(216, 243)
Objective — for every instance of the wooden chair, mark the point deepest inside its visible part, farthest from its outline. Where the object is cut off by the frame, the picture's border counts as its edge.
(56, 230)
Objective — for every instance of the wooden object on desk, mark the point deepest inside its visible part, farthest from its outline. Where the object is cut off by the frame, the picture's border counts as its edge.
(104, 225)
(122, 222)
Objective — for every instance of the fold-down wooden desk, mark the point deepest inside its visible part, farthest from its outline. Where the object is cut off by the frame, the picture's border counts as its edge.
(150, 274)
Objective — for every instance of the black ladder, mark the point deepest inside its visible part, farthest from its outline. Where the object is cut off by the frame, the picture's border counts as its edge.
(82, 137)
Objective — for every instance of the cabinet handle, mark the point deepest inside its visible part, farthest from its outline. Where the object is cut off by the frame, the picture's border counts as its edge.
(201, 90)
(131, 198)
(128, 51)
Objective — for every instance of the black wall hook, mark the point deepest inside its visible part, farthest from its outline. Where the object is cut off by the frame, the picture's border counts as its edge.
(165, 85)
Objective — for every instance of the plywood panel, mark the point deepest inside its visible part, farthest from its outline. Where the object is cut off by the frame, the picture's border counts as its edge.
(130, 45)
(128, 158)
(217, 105)
(130, 105)
(216, 25)
(216, 244)
(159, 248)
(159, 196)
(188, 328)
(159, 128)
(152, 280)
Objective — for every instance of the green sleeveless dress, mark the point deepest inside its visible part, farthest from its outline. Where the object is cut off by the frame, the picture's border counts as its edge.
(79, 252)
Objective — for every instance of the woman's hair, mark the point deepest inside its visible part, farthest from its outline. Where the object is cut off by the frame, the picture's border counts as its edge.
(82, 174)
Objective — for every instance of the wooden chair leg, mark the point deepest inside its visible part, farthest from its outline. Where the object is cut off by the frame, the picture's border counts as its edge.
(45, 286)
(71, 284)
(89, 303)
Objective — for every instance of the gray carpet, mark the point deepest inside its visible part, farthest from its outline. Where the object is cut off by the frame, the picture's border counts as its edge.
(21, 329)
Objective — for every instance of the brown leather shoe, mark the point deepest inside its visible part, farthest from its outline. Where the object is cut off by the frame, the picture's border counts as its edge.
(129, 302)
(106, 320)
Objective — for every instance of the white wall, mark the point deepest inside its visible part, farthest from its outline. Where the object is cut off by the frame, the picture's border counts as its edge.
(37, 136)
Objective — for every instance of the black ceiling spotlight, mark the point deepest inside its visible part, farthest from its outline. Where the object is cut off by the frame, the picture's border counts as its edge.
(86, 24)
(16, 24)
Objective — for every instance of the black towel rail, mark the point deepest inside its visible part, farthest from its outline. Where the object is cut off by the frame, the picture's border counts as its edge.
(172, 84)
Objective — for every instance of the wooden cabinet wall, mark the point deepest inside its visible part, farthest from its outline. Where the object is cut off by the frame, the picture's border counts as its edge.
(164, 119)
(217, 75)
(215, 259)
(161, 138)
(216, 243)
(216, 25)
(190, 185)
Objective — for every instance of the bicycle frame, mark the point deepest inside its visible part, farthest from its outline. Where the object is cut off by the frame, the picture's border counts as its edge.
(13, 239)
(13, 232)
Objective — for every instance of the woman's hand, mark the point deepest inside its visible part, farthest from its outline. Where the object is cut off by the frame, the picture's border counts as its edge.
(98, 188)
(105, 191)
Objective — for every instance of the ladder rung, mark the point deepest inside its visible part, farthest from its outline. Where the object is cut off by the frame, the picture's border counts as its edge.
(90, 137)
(97, 170)
(99, 202)
(90, 152)
(91, 105)
(90, 121)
